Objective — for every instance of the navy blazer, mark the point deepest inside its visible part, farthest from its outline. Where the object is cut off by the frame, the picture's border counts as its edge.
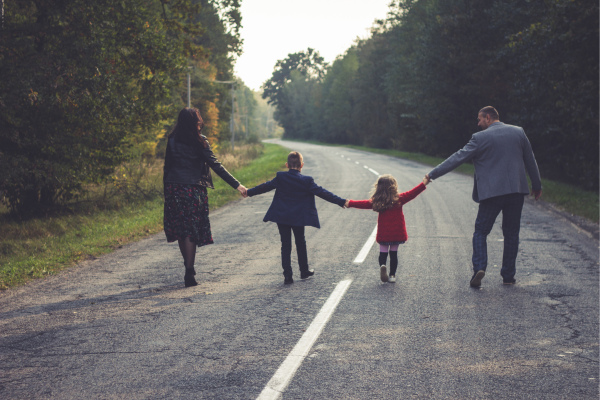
(294, 200)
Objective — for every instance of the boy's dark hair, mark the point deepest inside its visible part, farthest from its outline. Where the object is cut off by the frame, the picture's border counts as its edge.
(491, 111)
(294, 160)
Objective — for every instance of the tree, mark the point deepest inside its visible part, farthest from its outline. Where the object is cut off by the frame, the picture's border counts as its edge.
(310, 64)
(77, 77)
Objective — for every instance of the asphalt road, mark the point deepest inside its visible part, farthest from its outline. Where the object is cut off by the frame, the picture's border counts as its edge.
(124, 327)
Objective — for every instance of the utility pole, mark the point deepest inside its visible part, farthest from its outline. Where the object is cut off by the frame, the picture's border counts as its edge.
(190, 87)
(189, 91)
(231, 121)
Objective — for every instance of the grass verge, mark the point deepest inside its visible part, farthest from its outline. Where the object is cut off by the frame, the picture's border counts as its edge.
(568, 198)
(41, 247)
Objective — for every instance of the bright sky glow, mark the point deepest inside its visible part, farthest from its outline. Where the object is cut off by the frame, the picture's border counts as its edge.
(274, 28)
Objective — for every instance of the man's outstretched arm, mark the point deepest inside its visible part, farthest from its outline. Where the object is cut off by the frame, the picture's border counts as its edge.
(463, 155)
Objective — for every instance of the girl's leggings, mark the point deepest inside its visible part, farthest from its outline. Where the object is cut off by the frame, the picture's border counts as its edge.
(383, 253)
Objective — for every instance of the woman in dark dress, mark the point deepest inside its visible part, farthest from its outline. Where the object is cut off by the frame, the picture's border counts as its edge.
(188, 161)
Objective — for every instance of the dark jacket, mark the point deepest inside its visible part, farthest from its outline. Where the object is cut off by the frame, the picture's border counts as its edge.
(294, 200)
(191, 165)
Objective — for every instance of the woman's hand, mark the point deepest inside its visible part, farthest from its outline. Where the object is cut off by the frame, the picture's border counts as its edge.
(243, 191)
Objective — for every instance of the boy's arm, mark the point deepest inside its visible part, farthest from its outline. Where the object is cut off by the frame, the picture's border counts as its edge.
(263, 188)
(325, 195)
(364, 204)
(412, 193)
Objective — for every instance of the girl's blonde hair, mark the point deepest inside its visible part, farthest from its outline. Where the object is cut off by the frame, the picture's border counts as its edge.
(385, 193)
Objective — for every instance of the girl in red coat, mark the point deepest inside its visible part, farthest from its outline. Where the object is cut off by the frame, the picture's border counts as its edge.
(391, 229)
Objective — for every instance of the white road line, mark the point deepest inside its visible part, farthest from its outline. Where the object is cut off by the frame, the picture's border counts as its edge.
(288, 368)
(373, 171)
(356, 162)
(365, 167)
(366, 248)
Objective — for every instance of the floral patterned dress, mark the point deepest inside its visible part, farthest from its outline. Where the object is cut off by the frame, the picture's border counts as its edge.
(186, 213)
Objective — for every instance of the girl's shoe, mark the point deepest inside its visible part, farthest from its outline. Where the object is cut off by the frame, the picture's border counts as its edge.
(391, 279)
(189, 279)
(383, 274)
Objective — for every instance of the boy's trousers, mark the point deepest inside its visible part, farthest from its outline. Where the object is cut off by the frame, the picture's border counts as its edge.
(285, 231)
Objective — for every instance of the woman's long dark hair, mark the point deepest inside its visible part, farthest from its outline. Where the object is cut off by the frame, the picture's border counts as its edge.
(189, 125)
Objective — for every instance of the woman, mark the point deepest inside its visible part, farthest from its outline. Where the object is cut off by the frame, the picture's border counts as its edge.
(186, 176)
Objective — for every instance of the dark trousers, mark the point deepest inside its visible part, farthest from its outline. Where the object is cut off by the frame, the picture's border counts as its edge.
(511, 206)
(285, 231)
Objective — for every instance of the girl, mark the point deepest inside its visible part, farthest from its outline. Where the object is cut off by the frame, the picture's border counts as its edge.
(391, 229)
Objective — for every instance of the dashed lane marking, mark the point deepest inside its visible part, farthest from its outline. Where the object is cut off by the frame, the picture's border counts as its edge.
(366, 248)
(288, 368)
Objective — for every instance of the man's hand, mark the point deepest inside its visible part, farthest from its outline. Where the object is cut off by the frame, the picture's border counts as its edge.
(243, 191)
(537, 194)
(426, 180)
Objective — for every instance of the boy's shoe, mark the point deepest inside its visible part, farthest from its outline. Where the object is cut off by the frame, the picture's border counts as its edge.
(392, 279)
(383, 274)
(509, 281)
(477, 277)
(288, 281)
(307, 274)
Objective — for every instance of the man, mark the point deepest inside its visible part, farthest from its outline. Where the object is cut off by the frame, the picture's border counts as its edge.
(501, 155)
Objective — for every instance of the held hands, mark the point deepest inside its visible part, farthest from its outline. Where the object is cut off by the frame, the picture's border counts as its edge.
(426, 180)
(243, 191)
(346, 204)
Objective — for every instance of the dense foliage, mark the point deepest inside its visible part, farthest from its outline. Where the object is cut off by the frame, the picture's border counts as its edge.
(417, 83)
(85, 84)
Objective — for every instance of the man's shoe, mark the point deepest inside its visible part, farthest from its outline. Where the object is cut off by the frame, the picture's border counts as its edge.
(383, 274)
(477, 277)
(288, 281)
(307, 274)
(391, 279)
(509, 281)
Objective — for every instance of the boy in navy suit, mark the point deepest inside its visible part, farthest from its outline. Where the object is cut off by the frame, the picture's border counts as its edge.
(293, 208)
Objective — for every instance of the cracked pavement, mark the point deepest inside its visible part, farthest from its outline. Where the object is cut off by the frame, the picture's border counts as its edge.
(123, 326)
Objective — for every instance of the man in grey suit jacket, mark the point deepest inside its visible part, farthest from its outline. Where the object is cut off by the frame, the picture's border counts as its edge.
(501, 155)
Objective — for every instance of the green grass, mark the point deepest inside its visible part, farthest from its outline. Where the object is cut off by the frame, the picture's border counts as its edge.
(568, 198)
(39, 247)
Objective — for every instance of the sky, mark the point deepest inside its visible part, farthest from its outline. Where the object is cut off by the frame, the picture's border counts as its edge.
(272, 29)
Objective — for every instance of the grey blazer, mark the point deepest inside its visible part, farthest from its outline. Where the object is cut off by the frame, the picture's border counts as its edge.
(501, 155)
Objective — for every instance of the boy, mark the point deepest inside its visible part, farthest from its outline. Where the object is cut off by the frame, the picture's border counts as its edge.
(293, 208)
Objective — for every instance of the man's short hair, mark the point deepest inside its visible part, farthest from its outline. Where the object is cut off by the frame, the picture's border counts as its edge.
(294, 160)
(491, 111)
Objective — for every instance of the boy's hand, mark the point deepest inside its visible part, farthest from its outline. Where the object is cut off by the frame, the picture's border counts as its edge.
(426, 180)
(243, 191)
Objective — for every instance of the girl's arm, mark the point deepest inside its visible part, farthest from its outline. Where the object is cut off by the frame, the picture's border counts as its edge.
(364, 204)
(411, 194)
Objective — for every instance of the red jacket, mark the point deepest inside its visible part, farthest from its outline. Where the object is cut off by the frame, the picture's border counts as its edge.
(390, 223)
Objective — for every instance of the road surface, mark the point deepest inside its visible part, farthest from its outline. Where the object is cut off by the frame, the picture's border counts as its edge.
(124, 327)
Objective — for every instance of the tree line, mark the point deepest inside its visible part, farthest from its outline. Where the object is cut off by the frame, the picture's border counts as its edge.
(417, 83)
(88, 85)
